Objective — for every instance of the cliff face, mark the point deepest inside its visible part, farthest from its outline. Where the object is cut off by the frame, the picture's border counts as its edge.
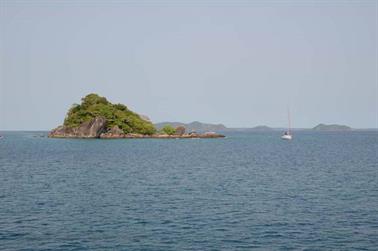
(89, 129)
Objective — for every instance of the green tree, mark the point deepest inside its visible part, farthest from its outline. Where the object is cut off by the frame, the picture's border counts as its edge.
(168, 129)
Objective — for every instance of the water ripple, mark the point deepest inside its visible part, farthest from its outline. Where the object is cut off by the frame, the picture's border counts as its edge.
(249, 191)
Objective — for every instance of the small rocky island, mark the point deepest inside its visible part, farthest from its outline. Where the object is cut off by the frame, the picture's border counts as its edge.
(96, 117)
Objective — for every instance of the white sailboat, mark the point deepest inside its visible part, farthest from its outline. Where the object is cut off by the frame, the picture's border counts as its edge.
(287, 134)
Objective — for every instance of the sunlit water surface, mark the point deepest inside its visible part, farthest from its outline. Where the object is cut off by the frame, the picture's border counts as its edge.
(247, 191)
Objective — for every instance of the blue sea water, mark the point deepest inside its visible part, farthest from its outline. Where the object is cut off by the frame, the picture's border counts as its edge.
(249, 191)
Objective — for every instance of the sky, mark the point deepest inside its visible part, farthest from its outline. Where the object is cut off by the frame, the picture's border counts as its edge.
(240, 63)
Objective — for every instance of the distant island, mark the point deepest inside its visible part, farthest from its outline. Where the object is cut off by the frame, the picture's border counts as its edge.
(195, 126)
(96, 117)
(207, 127)
(332, 127)
(261, 128)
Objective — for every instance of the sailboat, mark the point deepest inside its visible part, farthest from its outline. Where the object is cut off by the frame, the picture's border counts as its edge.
(287, 134)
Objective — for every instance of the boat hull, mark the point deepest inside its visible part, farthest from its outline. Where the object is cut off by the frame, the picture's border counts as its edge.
(286, 137)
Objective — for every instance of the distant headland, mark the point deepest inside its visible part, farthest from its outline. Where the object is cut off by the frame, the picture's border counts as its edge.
(262, 128)
(96, 117)
(332, 127)
(193, 126)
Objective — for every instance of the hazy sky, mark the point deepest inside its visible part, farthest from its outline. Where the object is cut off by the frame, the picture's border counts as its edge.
(240, 63)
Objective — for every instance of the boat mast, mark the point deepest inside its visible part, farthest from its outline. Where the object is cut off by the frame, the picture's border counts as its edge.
(288, 116)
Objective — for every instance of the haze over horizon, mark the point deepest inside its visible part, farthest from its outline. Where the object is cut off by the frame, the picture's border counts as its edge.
(237, 63)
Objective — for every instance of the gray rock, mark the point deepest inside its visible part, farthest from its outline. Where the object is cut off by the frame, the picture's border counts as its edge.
(92, 128)
(180, 130)
(114, 132)
(89, 129)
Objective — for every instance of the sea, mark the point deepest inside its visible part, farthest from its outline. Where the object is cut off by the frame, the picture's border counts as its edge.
(248, 191)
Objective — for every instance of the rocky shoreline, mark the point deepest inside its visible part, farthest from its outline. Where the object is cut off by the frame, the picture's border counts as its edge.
(162, 136)
(96, 128)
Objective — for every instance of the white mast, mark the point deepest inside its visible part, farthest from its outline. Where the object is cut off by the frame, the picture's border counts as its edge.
(288, 116)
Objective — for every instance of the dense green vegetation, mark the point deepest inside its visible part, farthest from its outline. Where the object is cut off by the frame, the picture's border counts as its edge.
(168, 129)
(93, 106)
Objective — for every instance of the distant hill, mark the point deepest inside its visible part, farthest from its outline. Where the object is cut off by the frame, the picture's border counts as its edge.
(194, 126)
(261, 128)
(332, 127)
